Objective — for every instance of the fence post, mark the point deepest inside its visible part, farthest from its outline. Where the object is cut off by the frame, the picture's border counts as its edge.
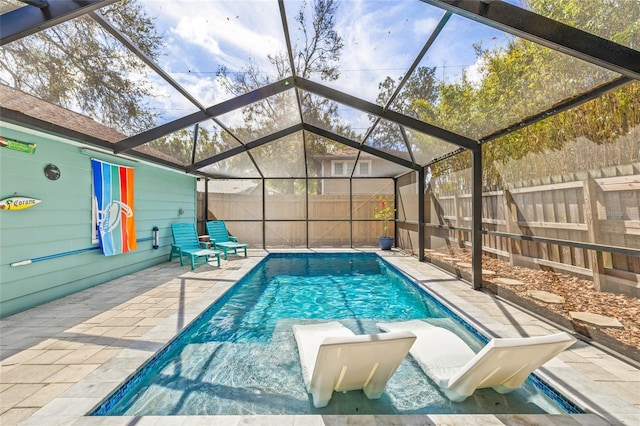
(592, 218)
(511, 220)
(457, 211)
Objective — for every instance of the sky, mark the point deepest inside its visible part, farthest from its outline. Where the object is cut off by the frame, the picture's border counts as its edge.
(381, 38)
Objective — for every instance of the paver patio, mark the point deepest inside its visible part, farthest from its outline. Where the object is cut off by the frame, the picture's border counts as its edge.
(61, 359)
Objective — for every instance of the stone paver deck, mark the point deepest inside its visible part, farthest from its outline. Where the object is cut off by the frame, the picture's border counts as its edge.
(61, 359)
(508, 281)
(545, 296)
(596, 319)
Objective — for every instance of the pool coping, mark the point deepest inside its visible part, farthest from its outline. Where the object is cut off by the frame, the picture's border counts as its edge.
(606, 405)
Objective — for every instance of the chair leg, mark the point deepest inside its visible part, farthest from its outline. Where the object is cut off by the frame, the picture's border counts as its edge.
(173, 252)
(193, 262)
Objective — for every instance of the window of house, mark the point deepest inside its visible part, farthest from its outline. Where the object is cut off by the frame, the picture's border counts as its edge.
(364, 168)
(343, 168)
(339, 168)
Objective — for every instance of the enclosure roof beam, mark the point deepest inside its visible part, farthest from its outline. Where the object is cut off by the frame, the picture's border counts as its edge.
(547, 32)
(197, 117)
(366, 148)
(244, 148)
(28, 20)
(379, 111)
(296, 128)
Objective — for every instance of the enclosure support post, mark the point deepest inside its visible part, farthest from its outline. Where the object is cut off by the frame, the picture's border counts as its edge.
(593, 225)
(476, 219)
(395, 211)
(351, 212)
(421, 189)
(306, 206)
(206, 203)
(264, 211)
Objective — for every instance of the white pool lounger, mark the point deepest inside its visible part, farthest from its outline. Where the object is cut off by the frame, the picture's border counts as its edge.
(334, 358)
(503, 364)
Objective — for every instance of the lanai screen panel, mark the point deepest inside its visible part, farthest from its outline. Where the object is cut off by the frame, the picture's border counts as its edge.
(572, 177)
(67, 65)
(379, 168)
(613, 20)
(239, 203)
(332, 202)
(484, 80)
(367, 195)
(213, 140)
(407, 213)
(334, 117)
(448, 207)
(238, 166)
(263, 118)
(426, 148)
(378, 39)
(218, 50)
(320, 152)
(329, 234)
(387, 135)
(234, 199)
(176, 147)
(285, 199)
(281, 158)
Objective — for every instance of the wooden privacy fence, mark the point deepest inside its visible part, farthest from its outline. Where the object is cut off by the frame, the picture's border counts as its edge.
(329, 217)
(600, 208)
(603, 210)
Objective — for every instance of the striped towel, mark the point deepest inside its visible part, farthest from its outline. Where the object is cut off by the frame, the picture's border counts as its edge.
(113, 191)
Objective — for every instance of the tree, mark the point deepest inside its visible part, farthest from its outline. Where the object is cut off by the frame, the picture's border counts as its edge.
(78, 65)
(522, 78)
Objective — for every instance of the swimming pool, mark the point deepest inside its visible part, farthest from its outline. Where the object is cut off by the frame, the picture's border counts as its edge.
(239, 357)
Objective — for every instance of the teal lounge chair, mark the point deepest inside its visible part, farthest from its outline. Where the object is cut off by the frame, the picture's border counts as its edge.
(186, 243)
(220, 238)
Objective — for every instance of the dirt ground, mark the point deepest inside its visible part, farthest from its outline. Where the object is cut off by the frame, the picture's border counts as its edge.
(579, 295)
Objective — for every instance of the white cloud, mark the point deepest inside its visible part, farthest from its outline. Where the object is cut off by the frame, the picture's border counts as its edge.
(474, 71)
(226, 32)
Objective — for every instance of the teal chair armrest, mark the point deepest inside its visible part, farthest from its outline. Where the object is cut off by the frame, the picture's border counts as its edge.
(234, 239)
(206, 244)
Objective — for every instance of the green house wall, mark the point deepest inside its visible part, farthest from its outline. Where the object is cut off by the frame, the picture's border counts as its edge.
(61, 223)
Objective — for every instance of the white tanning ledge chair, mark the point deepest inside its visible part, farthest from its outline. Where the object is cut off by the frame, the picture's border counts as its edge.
(503, 364)
(334, 358)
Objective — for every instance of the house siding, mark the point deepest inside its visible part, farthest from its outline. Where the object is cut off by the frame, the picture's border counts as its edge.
(61, 223)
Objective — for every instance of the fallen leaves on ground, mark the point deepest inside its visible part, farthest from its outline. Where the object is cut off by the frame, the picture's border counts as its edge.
(579, 294)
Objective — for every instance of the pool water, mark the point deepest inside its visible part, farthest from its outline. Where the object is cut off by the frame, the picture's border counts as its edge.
(240, 357)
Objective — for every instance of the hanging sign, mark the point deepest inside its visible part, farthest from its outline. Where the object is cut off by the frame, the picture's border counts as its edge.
(29, 148)
(18, 203)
